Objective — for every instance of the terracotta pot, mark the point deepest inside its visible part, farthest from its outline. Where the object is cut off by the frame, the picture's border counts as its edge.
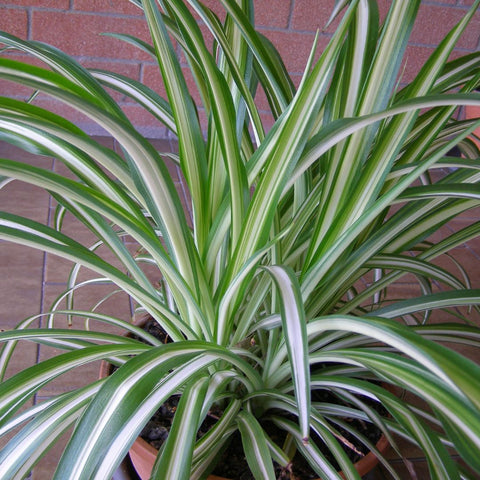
(473, 111)
(143, 455)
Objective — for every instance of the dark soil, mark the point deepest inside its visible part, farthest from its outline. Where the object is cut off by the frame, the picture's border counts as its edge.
(232, 464)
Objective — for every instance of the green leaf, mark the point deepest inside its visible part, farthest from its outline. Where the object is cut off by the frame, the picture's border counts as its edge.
(191, 144)
(22, 386)
(129, 397)
(139, 92)
(295, 334)
(25, 449)
(461, 420)
(255, 446)
(439, 360)
(427, 302)
(310, 451)
(176, 456)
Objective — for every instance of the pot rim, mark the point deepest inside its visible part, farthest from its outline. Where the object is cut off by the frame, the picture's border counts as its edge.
(142, 448)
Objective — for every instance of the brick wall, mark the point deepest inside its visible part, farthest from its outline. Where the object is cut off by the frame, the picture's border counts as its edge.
(75, 27)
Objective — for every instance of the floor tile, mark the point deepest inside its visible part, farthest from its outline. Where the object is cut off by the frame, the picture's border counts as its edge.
(24, 356)
(21, 273)
(45, 468)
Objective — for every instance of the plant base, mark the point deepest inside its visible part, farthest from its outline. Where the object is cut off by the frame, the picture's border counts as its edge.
(143, 457)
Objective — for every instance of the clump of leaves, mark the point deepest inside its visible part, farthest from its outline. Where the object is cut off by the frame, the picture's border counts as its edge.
(281, 282)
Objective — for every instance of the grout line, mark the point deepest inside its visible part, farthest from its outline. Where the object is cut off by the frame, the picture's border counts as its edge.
(290, 15)
(456, 6)
(29, 23)
(43, 279)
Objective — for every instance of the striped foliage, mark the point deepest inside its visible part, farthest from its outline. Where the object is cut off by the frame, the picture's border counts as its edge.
(278, 283)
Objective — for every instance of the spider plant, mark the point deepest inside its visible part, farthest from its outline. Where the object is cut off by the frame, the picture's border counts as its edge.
(283, 283)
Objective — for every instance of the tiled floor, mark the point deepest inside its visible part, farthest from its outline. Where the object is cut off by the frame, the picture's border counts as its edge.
(30, 280)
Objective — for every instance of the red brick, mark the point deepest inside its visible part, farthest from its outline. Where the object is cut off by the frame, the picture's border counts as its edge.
(443, 2)
(274, 13)
(127, 8)
(130, 70)
(77, 32)
(267, 121)
(261, 100)
(208, 38)
(471, 36)
(122, 7)
(434, 22)
(192, 86)
(80, 34)
(153, 79)
(473, 111)
(215, 6)
(415, 57)
(64, 110)
(14, 21)
(383, 8)
(295, 47)
(15, 90)
(310, 15)
(58, 4)
(203, 120)
(142, 118)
